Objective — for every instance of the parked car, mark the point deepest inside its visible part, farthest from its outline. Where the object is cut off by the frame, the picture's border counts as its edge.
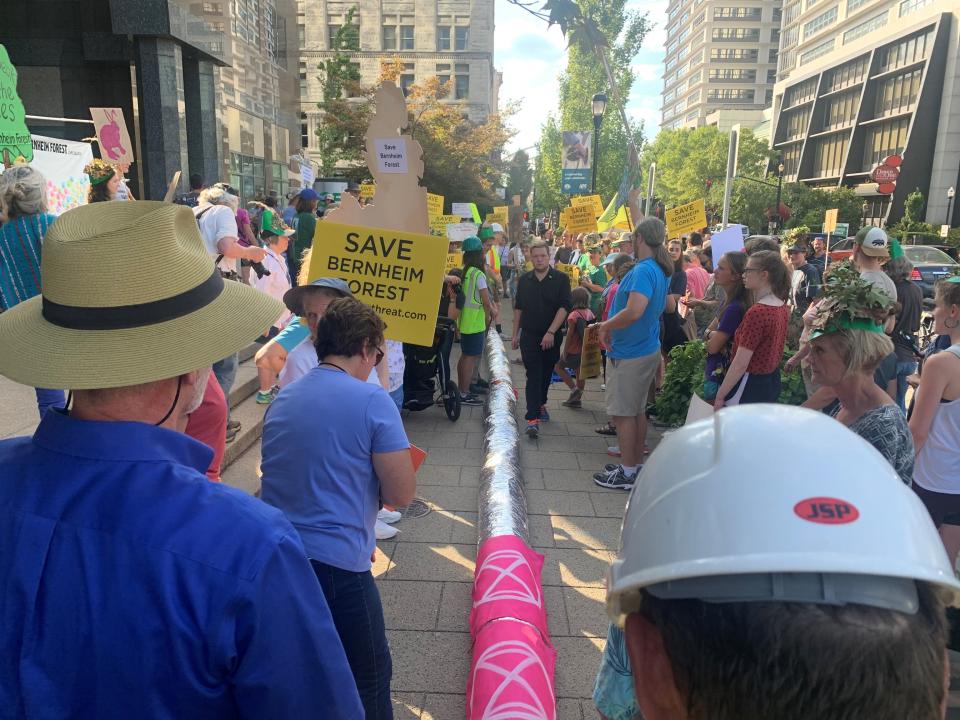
(930, 264)
(841, 249)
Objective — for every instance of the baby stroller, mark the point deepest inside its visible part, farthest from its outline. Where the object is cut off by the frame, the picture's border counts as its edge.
(425, 366)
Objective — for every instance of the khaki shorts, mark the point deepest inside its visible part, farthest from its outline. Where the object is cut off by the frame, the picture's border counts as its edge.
(628, 382)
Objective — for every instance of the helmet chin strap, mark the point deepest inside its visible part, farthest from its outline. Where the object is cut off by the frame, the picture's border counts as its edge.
(176, 399)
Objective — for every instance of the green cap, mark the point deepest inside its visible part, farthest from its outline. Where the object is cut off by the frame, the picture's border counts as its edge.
(472, 243)
(485, 233)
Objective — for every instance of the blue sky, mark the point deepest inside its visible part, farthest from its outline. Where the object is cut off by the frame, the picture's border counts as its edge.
(532, 57)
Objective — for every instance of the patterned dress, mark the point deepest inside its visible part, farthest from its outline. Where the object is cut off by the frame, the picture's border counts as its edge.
(886, 429)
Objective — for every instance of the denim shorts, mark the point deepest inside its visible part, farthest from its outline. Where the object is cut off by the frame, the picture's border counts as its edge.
(472, 344)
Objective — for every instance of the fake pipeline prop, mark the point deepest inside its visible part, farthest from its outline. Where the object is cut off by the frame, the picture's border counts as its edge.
(512, 671)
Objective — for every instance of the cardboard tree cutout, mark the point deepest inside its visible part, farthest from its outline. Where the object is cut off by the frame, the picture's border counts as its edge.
(396, 162)
(15, 139)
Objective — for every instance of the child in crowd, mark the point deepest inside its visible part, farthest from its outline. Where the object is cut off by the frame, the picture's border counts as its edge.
(275, 284)
(577, 321)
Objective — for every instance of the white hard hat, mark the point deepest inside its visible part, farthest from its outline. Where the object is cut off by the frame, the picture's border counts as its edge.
(724, 512)
(496, 227)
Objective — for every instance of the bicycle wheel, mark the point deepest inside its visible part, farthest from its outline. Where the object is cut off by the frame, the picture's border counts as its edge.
(451, 401)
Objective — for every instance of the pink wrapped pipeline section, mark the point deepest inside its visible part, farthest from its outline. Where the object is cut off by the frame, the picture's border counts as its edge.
(512, 671)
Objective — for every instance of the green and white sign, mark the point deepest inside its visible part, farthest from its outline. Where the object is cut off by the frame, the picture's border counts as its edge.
(842, 229)
(14, 136)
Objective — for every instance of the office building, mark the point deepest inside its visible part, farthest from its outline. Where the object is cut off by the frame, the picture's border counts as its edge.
(451, 39)
(205, 87)
(862, 80)
(721, 62)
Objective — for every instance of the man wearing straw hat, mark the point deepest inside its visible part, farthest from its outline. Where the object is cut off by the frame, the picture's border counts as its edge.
(133, 587)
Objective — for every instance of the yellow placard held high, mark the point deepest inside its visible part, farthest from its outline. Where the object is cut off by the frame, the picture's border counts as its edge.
(593, 200)
(367, 190)
(435, 206)
(581, 219)
(686, 218)
(438, 224)
(397, 273)
(499, 215)
(830, 220)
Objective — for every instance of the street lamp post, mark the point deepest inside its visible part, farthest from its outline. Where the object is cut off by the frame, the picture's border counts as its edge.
(599, 105)
(951, 192)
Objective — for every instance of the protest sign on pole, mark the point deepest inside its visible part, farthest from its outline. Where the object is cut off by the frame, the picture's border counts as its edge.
(397, 273)
(581, 219)
(686, 218)
(461, 210)
(438, 224)
(572, 272)
(112, 135)
(61, 162)
(499, 215)
(435, 205)
(575, 168)
(458, 232)
(730, 239)
(592, 200)
(590, 360)
(830, 220)
(14, 135)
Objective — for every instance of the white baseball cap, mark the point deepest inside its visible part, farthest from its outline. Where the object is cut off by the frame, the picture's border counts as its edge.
(721, 513)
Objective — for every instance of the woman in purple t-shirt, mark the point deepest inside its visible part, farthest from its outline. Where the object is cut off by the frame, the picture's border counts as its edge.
(719, 335)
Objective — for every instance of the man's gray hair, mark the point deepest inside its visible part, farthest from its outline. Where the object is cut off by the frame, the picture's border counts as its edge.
(652, 231)
(217, 195)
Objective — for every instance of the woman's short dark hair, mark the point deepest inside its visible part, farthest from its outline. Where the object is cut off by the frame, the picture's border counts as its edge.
(798, 661)
(347, 328)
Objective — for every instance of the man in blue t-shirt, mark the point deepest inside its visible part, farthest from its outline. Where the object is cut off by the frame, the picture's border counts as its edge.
(632, 333)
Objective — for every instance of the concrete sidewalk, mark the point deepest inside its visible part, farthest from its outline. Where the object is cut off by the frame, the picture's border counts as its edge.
(575, 524)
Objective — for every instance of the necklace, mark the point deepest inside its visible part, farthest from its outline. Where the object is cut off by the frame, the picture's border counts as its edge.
(335, 366)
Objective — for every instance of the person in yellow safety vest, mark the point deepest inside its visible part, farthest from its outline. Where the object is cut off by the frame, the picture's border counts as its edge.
(491, 255)
(477, 312)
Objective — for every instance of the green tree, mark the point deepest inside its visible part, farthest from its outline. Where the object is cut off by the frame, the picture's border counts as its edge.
(809, 205)
(519, 176)
(346, 107)
(604, 26)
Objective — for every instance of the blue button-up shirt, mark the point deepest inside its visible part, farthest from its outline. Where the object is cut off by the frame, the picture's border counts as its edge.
(132, 587)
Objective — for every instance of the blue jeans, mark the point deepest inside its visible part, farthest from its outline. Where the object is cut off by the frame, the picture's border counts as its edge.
(397, 397)
(47, 399)
(226, 372)
(904, 368)
(358, 616)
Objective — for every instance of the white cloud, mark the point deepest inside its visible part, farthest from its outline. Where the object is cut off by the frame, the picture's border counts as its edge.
(531, 58)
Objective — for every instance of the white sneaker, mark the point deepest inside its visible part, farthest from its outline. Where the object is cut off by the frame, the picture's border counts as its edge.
(384, 531)
(389, 516)
(603, 386)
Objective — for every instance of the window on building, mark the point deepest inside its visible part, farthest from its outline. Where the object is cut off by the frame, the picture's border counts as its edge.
(828, 155)
(406, 37)
(736, 34)
(461, 89)
(734, 74)
(407, 78)
(906, 52)
(443, 73)
(768, 98)
(847, 75)
(865, 28)
(389, 37)
(304, 131)
(886, 138)
(817, 51)
(461, 38)
(212, 8)
(801, 93)
(773, 56)
(738, 13)
(775, 36)
(791, 14)
(908, 6)
(734, 54)
(771, 76)
(301, 35)
(821, 21)
(790, 37)
(303, 82)
(791, 160)
(897, 94)
(796, 124)
(332, 31)
(854, 5)
(731, 95)
(443, 38)
(840, 110)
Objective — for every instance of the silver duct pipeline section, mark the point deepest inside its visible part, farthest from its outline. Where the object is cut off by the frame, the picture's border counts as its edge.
(502, 503)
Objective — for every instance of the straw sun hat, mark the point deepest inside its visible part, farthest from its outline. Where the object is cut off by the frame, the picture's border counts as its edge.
(130, 296)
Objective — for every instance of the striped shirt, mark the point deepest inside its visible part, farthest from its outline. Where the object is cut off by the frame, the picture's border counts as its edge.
(20, 241)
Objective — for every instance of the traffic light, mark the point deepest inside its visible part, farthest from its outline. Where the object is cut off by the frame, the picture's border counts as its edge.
(526, 216)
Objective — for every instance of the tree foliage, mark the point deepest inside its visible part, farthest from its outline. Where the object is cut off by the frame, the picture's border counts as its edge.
(519, 176)
(591, 26)
(809, 205)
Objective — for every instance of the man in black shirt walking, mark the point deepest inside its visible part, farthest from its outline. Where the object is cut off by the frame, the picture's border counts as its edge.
(540, 309)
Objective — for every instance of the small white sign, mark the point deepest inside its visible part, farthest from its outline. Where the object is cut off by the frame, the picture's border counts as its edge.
(306, 174)
(391, 155)
(461, 210)
(460, 231)
(944, 231)
(727, 240)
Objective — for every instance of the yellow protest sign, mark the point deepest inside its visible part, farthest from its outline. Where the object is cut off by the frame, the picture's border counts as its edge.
(367, 190)
(564, 217)
(830, 220)
(454, 260)
(501, 215)
(686, 218)
(435, 206)
(527, 266)
(593, 200)
(581, 219)
(590, 362)
(572, 272)
(395, 272)
(438, 224)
